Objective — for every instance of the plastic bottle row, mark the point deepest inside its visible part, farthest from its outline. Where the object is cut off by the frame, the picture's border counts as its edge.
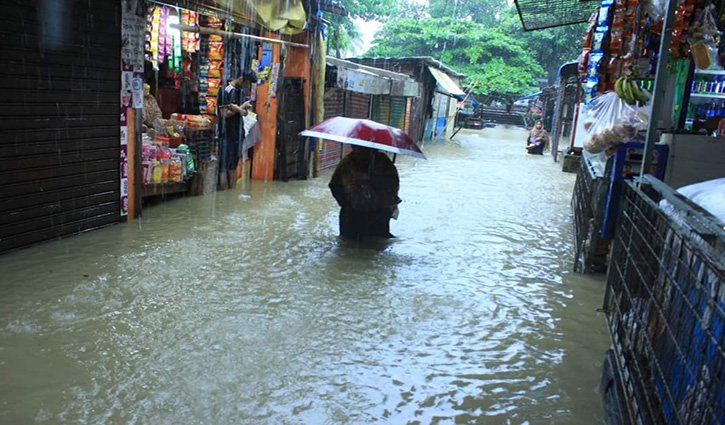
(705, 111)
(708, 85)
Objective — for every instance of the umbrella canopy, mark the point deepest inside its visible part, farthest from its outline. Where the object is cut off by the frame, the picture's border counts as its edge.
(367, 133)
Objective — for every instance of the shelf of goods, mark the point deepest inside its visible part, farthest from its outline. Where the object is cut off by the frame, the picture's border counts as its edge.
(161, 189)
(708, 96)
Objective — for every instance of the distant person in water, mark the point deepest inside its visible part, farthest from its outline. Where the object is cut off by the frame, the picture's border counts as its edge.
(365, 185)
(538, 139)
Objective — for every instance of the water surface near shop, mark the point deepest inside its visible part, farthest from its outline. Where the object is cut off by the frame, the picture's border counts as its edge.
(218, 309)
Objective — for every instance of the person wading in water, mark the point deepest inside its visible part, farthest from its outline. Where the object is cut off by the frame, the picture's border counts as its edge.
(538, 139)
(365, 185)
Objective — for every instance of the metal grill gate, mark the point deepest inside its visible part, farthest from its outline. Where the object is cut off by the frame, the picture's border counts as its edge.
(665, 307)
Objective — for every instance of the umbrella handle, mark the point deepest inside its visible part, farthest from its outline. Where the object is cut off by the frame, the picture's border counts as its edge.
(395, 155)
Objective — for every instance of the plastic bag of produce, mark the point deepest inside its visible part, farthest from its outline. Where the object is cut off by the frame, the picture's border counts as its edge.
(609, 121)
(704, 39)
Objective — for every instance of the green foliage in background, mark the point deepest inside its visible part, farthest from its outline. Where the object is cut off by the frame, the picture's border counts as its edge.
(493, 60)
(342, 33)
(486, 12)
(549, 47)
(483, 39)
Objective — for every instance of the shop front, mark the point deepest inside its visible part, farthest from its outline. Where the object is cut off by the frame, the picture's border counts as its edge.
(647, 203)
(431, 113)
(128, 108)
(444, 106)
(358, 91)
(611, 128)
(199, 65)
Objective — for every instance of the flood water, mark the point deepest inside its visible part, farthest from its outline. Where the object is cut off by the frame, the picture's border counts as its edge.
(221, 310)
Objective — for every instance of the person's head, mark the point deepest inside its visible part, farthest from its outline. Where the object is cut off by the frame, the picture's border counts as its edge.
(539, 125)
(358, 148)
(247, 79)
(362, 150)
(146, 89)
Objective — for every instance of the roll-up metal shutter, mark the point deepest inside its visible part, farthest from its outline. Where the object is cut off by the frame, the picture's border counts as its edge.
(59, 119)
(381, 109)
(357, 105)
(397, 111)
(334, 107)
(334, 103)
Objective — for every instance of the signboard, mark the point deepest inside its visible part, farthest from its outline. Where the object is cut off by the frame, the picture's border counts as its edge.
(133, 31)
(362, 81)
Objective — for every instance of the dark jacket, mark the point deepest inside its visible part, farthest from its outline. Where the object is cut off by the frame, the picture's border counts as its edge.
(365, 185)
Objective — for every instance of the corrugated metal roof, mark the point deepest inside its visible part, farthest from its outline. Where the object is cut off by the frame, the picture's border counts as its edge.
(424, 59)
(540, 14)
(447, 86)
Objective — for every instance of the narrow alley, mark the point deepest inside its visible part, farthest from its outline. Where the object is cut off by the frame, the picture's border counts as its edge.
(245, 307)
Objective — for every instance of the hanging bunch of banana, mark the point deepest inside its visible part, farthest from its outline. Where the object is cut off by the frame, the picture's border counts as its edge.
(627, 89)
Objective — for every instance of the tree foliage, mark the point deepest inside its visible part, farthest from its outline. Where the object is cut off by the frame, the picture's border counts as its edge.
(486, 12)
(550, 47)
(490, 58)
(481, 38)
(342, 30)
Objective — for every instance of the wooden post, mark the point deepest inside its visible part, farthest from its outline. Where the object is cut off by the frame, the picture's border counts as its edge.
(134, 163)
(318, 92)
(266, 109)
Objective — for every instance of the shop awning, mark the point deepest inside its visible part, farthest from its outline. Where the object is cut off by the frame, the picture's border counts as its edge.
(352, 76)
(540, 14)
(446, 85)
(285, 16)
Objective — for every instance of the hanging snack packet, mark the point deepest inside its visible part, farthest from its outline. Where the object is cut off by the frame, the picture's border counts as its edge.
(215, 69)
(591, 26)
(211, 104)
(215, 50)
(213, 87)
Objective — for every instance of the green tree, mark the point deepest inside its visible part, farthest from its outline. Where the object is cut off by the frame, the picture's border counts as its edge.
(550, 47)
(342, 31)
(492, 59)
(486, 12)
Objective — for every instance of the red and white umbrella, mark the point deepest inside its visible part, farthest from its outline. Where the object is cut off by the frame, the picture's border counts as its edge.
(367, 133)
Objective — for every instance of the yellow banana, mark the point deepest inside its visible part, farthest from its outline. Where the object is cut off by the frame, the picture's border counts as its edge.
(618, 87)
(639, 94)
(627, 90)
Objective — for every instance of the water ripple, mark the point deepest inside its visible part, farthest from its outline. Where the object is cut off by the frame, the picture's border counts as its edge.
(214, 310)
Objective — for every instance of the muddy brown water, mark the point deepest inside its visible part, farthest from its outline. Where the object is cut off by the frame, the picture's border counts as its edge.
(218, 309)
